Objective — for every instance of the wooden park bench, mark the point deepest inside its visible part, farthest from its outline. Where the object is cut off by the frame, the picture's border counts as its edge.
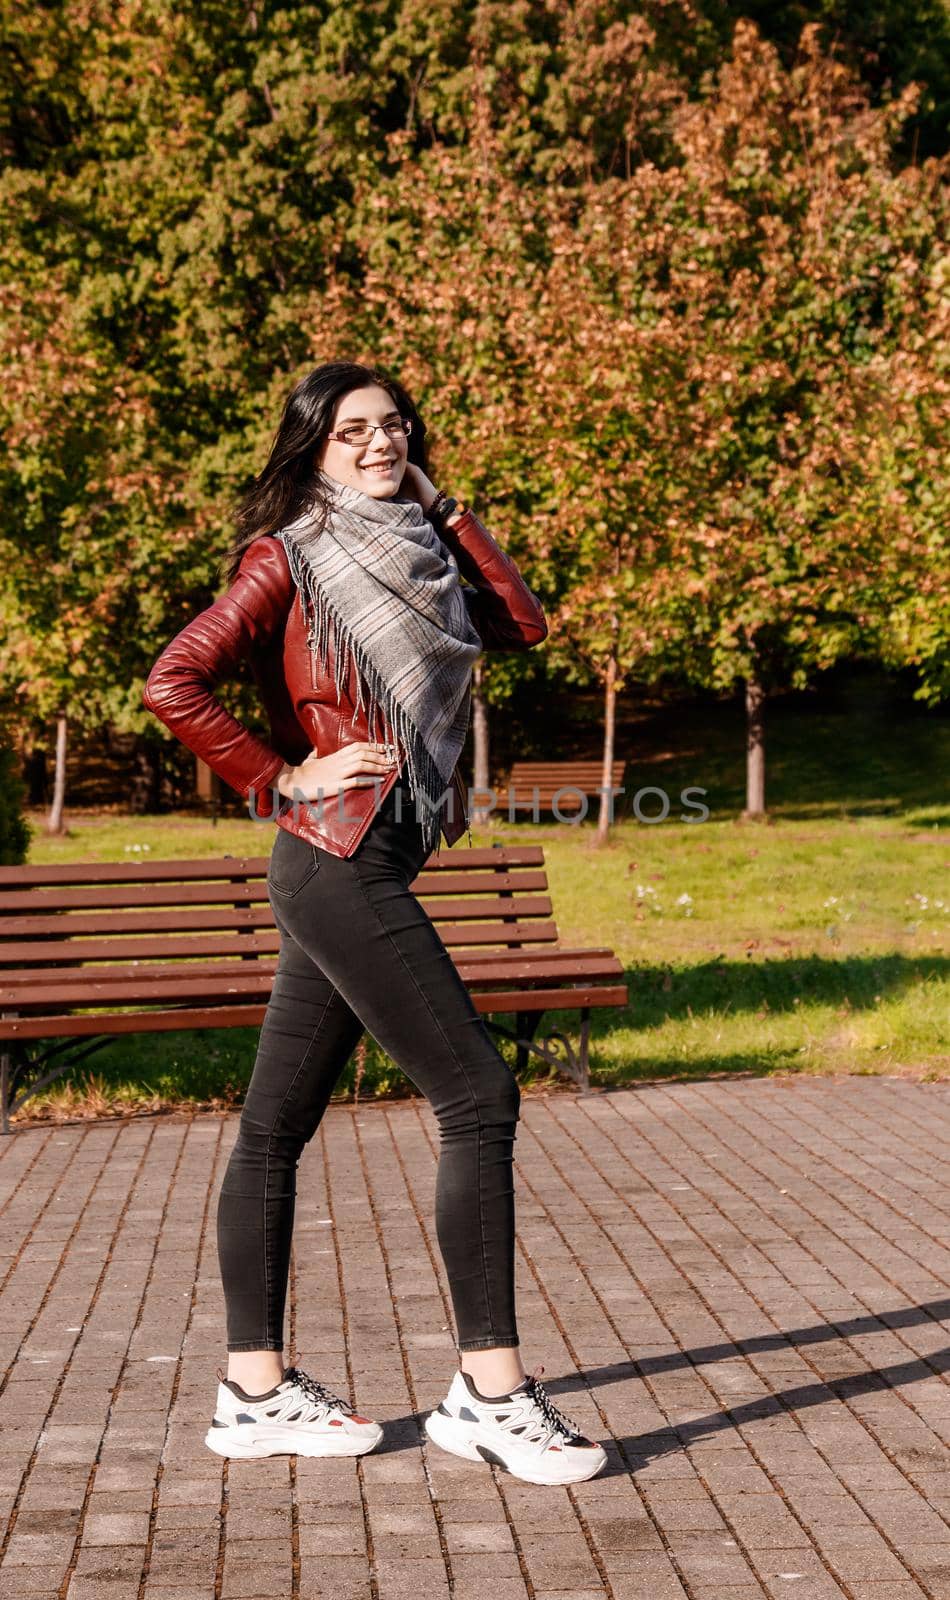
(541, 784)
(193, 944)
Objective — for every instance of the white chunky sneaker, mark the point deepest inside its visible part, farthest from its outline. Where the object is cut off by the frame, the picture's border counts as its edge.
(301, 1417)
(521, 1431)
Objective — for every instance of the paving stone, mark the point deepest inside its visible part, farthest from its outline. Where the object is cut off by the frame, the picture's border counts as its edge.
(569, 1594)
(931, 1563)
(704, 1559)
(402, 1578)
(463, 1537)
(204, 1492)
(185, 1541)
(886, 1591)
(258, 1522)
(687, 1516)
(659, 1580)
(333, 1539)
(255, 1581)
(335, 1578)
(728, 1591)
(256, 1552)
(115, 1528)
(17, 1581)
(50, 1520)
(563, 1557)
(185, 1516)
(618, 1535)
(748, 1278)
(468, 1587)
(494, 1510)
(38, 1549)
(163, 1592)
(96, 1588)
(798, 1572)
(110, 1562)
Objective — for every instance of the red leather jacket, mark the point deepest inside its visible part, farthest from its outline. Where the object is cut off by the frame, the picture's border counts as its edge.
(260, 617)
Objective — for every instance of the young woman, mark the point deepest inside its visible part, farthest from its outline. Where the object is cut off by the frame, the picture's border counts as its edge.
(345, 597)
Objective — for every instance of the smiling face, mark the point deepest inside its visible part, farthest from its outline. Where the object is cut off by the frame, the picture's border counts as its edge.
(376, 468)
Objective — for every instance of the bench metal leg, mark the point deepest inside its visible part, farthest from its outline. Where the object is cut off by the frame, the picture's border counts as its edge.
(556, 1049)
(527, 1023)
(16, 1065)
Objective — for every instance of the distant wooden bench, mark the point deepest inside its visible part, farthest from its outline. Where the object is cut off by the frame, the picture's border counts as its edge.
(193, 944)
(538, 785)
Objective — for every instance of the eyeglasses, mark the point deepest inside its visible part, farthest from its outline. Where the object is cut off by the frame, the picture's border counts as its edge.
(365, 434)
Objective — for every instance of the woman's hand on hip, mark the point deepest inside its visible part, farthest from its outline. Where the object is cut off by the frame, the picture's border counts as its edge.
(353, 766)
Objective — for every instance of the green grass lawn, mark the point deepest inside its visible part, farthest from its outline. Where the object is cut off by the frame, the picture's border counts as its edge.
(817, 942)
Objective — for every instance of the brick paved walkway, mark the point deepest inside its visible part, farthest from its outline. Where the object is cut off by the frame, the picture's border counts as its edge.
(739, 1285)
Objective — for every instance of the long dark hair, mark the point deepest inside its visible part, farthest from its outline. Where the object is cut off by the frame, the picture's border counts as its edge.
(290, 480)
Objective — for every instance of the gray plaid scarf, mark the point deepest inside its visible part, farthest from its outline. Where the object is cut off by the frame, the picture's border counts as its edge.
(380, 575)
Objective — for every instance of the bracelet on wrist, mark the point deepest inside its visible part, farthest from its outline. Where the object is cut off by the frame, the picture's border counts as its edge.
(442, 506)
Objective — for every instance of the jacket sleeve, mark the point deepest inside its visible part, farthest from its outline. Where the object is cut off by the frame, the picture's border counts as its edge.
(180, 687)
(502, 607)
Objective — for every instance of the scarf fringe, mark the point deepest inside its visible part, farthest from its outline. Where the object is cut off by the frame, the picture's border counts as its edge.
(319, 614)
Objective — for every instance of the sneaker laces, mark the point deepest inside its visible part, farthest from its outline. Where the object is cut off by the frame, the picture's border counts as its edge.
(553, 1417)
(316, 1391)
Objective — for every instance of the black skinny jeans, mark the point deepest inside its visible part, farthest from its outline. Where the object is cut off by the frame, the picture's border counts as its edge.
(358, 951)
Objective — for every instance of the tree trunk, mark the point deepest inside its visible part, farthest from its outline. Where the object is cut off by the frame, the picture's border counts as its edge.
(146, 778)
(54, 822)
(480, 813)
(35, 773)
(208, 788)
(605, 814)
(755, 749)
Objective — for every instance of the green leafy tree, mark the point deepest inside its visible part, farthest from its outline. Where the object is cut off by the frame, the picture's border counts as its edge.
(740, 319)
(201, 201)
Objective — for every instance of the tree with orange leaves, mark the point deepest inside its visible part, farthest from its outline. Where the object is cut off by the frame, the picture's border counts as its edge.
(730, 330)
(666, 385)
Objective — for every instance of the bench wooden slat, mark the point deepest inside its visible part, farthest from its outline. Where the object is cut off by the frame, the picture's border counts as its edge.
(557, 772)
(225, 868)
(554, 960)
(141, 870)
(251, 1015)
(76, 951)
(78, 922)
(89, 992)
(485, 909)
(128, 970)
(60, 979)
(145, 987)
(189, 1017)
(510, 970)
(131, 971)
(561, 999)
(128, 897)
(570, 801)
